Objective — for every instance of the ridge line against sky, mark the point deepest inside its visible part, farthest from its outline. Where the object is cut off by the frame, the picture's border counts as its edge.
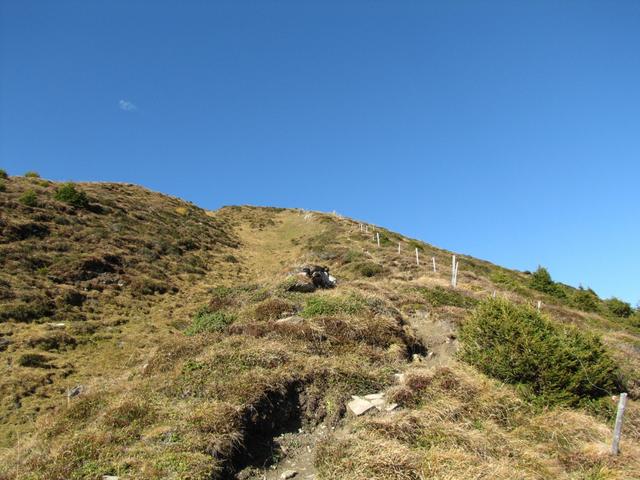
(505, 130)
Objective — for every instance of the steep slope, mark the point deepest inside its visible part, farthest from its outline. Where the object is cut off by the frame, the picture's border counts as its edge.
(218, 375)
(80, 285)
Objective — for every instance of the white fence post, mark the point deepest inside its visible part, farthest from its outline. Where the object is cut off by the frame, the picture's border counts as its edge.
(617, 430)
(539, 304)
(378, 238)
(417, 257)
(433, 260)
(454, 272)
(398, 247)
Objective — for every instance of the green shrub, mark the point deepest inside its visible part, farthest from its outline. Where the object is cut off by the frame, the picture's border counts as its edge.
(3, 186)
(32, 174)
(207, 321)
(586, 300)
(541, 281)
(413, 244)
(333, 306)
(619, 308)
(352, 256)
(70, 194)
(29, 198)
(27, 312)
(33, 360)
(518, 345)
(3, 174)
(440, 296)
(367, 269)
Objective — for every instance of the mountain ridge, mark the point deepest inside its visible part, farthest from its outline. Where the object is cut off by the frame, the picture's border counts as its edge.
(175, 334)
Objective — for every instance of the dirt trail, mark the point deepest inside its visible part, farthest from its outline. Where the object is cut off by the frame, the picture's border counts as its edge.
(275, 250)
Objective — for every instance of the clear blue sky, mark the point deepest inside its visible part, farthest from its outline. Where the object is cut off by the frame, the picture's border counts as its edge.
(506, 130)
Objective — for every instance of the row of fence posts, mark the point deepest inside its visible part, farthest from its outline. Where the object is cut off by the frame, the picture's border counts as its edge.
(622, 402)
(454, 262)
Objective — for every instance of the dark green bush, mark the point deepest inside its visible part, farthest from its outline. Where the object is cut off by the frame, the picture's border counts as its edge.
(32, 174)
(207, 321)
(541, 281)
(586, 300)
(619, 308)
(33, 360)
(367, 269)
(27, 312)
(3, 174)
(518, 345)
(3, 186)
(70, 194)
(29, 198)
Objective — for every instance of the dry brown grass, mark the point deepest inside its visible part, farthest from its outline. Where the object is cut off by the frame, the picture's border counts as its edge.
(160, 404)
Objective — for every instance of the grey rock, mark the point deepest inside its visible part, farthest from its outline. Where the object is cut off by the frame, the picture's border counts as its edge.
(288, 474)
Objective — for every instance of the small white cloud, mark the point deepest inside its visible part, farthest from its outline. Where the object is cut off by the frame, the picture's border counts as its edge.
(127, 106)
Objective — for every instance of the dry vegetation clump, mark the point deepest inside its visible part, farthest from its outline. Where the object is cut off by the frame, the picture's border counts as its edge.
(187, 363)
(465, 426)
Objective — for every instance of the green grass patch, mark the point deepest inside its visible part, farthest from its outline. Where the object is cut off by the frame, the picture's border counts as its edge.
(552, 365)
(207, 321)
(350, 305)
(29, 198)
(440, 296)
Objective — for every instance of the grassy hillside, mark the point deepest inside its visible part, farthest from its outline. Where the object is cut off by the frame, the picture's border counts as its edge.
(194, 360)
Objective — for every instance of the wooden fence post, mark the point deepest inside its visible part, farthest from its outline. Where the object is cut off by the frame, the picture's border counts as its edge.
(398, 247)
(417, 257)
(617, 430)
(378, 238)
(433, 259)
(454, 272)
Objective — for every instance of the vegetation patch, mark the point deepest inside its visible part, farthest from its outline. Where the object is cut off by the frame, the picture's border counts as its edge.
(70, 194)
(207, 321)
(618, 308)
(541, 281)
(29, 198)
(518, 345)
(586, 300)
(325, 305)
(367, 268)
(439, 297)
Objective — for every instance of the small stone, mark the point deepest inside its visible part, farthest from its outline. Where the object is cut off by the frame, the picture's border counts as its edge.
(288, 474)
(110, 477)
(391, 407)
(358, 406)
(399, 377)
